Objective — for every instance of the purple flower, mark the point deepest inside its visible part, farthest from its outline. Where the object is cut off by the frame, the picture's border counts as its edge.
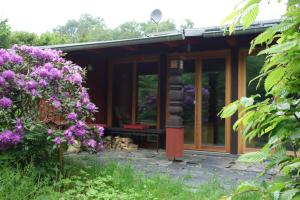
(8, 75)
(78, 129)
(43, 83)
(77, 78)
(43, 72)
(66, 68)
(91, 107)
(9, 138)
(50, 132)
(56, 104)
(78, 104)
(57, 140)
(5, 102)
(1, 61)
(48, 66)
(99, 147)
(72, 116)
(2, 81)
(55, 74)
(16, 59)
(90, 143)
(19, 126)
(100, 130)
(31, 85)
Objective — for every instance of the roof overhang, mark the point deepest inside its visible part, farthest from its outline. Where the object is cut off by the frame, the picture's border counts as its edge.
(116, 43)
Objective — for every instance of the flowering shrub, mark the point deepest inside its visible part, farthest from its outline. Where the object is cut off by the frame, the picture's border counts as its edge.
(29, 75)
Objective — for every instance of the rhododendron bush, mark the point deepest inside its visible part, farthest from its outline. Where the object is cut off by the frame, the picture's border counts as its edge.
(29, 76)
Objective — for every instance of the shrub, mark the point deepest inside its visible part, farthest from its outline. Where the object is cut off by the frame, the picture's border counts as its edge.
(31, 77)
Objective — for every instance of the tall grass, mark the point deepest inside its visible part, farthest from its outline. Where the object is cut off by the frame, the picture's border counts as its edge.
(87, 179)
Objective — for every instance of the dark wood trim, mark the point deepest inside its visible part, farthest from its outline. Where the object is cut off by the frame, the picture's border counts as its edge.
(134, 94)
(109, 94)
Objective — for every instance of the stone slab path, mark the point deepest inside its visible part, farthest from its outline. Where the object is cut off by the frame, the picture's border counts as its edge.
(195, 168)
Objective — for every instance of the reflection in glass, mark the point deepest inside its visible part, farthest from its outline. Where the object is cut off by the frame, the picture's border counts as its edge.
(253, 66)
(188, 78)
(213, 100)
(147, 91)
(122, 89)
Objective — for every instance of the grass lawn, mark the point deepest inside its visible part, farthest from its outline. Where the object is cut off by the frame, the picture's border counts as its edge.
(105, 182)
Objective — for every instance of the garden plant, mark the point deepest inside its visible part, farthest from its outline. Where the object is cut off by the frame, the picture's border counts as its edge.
(34, 81)
(278, 115)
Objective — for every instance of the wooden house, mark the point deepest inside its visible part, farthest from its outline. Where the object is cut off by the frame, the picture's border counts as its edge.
(174, 82)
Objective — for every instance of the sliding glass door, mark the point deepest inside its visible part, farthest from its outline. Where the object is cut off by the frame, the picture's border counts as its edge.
(206, 90)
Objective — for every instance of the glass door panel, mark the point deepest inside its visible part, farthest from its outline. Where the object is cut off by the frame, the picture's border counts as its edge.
(188, 79)
(122, 90)
(147, 93)
(213, 100)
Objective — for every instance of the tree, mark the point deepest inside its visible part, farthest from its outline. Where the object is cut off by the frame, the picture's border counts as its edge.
(150, 27)
(187, 24)
(4, 34)
(278, 116)
(87, 28)
(23, 38)
(50, 38)
(127, 30)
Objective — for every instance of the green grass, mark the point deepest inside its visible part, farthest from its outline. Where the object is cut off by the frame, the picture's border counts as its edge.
(87, 179)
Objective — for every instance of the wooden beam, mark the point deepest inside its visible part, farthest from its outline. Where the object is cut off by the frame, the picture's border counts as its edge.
(109, 96)
(228, 89)
(134, 94)
(131, 48)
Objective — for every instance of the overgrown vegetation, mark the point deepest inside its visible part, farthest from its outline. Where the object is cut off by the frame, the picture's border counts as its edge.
(87, 179)
(278, 116)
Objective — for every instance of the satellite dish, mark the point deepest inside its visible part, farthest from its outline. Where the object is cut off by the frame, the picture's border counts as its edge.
(156, 16)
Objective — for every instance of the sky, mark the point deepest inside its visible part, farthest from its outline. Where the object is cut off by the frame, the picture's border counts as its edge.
(43, 15)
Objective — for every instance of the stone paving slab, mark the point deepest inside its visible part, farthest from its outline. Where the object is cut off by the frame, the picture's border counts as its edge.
(195, 168)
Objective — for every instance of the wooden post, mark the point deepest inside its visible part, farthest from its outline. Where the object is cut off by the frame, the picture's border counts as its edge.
(175, 131)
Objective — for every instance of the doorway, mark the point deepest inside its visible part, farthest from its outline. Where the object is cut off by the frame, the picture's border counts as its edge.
(206, 81)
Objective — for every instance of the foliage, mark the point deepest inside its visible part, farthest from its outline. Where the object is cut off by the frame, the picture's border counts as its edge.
(4, 34)
(99, 181)
(87, 28)
(24, 38)
(24, 183)
(278, 115)
(31, 79)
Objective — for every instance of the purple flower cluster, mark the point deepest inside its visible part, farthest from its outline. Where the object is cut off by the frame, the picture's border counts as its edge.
(9, 57)
(45, 75)
(5, 102)
(9, 138)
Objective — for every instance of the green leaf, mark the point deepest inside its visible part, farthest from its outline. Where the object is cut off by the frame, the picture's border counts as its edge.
(274, 77)
(247, 101)
(229, 110)
(290, 167)
(247, 186)
(279, 48)
(250, 15)
(253, 157)
(289, 194)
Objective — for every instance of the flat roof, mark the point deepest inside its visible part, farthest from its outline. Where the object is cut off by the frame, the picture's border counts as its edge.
(205, 32)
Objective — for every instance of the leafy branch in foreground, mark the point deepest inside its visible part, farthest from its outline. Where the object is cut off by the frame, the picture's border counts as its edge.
(278, 116)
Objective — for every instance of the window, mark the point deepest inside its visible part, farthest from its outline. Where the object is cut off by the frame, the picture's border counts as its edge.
(147, 93)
